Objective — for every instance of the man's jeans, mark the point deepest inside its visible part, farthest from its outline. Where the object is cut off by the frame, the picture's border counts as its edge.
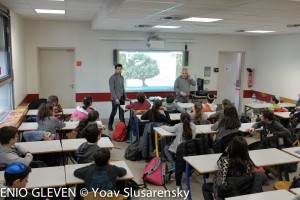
(114, 112)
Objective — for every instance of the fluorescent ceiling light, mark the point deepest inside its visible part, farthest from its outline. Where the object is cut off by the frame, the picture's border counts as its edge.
(46, 11)
(56, 0)
(199, 19)
(160, 26)
(260, 31)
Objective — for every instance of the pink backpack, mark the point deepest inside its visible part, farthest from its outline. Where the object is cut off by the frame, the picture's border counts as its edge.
(119, 134)
(155, 172)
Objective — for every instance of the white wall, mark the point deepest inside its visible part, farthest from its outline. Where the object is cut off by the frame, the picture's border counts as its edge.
(18, 57)
(97, 55)
(277, 66)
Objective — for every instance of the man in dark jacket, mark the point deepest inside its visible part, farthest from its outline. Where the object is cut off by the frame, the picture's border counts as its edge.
(274, 133)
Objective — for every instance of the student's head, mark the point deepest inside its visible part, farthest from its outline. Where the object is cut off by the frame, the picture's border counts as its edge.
(156, 105)
(93, 116)
(187, 130)
(184, 72)
(226, 102)
(87, 102)
(92, 133)
(118, 69)
(198, 112)
(170, 98)
(267, 116)
(8, 135)
(45, 111)
(238, 148)
(52, 100)
(210, 98)
(231, 119)
(274, 100)
(16, 175)
(102, 157)
(141, 97)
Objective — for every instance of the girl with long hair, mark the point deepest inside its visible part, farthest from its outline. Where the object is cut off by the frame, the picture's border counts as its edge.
(46, 121)
(185, 130)
(198, 116)
(154, 115)
(228, 125)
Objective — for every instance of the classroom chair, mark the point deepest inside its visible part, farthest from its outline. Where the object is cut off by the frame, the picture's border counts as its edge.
(90, 196)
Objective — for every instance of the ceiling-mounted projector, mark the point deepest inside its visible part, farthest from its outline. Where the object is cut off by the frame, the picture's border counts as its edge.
(155, 42)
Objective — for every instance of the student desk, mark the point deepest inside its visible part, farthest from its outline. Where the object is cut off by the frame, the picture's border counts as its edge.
(261, 158)
(200, 129)
(30, 126)
(263, 105)
(71, 179)
(270, 195)
(283, 115)
(44, 177)
(185, 105)
(41, 147)
(296, 191)
(292, 150)
(66, 111)
(73, 144)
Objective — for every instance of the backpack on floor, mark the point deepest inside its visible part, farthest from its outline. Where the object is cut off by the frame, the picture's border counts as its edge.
(119, 134)
(132, 152)
(155, 172)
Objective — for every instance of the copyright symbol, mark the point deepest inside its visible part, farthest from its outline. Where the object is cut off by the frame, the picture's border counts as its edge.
(83, 192)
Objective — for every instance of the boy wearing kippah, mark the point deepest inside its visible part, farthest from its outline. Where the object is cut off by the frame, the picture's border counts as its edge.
(210, 106)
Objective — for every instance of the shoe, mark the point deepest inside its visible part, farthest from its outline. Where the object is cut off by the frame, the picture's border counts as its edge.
(110, 128)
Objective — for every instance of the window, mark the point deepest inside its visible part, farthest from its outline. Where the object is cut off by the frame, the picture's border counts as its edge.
(6, 97)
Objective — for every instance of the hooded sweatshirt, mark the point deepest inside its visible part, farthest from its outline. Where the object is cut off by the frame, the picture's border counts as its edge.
(85, 152)
(14, 154)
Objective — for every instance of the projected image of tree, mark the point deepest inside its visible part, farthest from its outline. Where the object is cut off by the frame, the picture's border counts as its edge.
(142, 67)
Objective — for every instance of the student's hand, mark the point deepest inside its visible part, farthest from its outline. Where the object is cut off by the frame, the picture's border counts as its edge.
(183, 94)
(163, 108)
(117, 101)
(270, 135)
(127, 99)
(250, 130)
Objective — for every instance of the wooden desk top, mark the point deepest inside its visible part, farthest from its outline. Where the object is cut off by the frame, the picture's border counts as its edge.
(73, 144)
(270, 195)
(284, 115)
(41, 147)
(71, 179)
(44, 177)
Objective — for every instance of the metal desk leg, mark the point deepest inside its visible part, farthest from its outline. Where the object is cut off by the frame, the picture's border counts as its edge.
(156, 144)
(187, 177)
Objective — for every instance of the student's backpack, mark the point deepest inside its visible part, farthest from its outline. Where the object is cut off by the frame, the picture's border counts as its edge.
(132, 152)
(280, 110)
(155, 172)
(119, 134)
(245, 119)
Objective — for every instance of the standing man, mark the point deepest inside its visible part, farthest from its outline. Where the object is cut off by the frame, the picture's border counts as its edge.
(118, 96)
(182, 86)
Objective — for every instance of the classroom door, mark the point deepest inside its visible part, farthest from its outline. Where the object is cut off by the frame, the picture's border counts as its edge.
(56, 69)
(229, 77)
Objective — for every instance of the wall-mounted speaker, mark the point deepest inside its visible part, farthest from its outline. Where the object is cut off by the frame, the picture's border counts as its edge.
(186, 58)
(115, 56)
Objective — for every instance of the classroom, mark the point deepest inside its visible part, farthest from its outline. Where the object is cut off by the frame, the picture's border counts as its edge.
(245, 52)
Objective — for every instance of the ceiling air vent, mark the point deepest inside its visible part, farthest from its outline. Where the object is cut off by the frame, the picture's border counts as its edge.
(143, 26)
(293, 25)
(171, 18)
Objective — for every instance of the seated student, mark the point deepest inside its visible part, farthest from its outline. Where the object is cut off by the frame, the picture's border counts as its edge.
(198, 116)
(141, 104)
(228, 125)
(209, 106)
(298, 103)
(10, 150)
(171, 106)
(85, 152)
(274, 101)
(153, 115)
(101, 175)
(185, 130)
(234, 162)
(46, 121)
(272, 130)
(220, 113)
(91, 119)
(57, 109)
(16, 176)
(82, 112)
